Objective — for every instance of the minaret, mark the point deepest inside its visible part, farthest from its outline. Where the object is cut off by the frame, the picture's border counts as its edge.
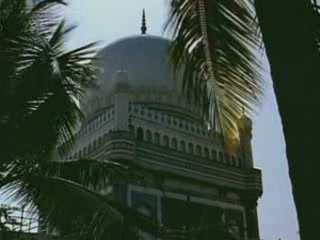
(120, 88)
(245, 134)
(143, 24)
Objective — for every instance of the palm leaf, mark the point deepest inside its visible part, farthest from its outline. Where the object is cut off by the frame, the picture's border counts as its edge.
(214, 47)
(46, 81)
(63, 204)
(65, 194)
(94, 174)
(73, 208)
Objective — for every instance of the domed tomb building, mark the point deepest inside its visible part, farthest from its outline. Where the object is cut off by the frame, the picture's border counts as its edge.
(138, 114)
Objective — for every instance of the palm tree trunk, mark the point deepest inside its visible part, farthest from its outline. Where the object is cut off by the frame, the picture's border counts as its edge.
(288, 35)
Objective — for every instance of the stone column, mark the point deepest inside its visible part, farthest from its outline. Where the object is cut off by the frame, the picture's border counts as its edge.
(252, 230)
(245, 134)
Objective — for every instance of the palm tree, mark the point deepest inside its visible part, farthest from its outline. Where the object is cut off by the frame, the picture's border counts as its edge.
(215, 44)
(39, 81)
(39, 85)
(66, 196)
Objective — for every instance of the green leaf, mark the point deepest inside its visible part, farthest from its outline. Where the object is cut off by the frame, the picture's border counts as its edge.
(214, 47)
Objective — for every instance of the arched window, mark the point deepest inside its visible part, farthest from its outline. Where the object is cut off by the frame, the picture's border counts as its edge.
(100, 141)
(227, 159)
(182, 146)
(240, 164)
(198, 151)
(166, 141)
(80, 153)
(221, 158)
(233, 161)
(156, 139)
(105, 137)
(214, 155)
(206, 153)
(148, 136)
(85, 151)
(90, 148)
(190, 148)
(94, 144)
(140, 134)
(174, 143)
(131, 128)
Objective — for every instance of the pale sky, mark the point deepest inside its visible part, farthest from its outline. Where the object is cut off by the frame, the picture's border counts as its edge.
(109, 20)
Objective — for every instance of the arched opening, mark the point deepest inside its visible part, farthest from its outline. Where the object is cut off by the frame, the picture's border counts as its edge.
(94, 144)
(100, 141)
(206, 153)
(157, 138)
(174, 143)
(227, 159)
(198, 151)
(166, 141)
(131, 128)
(190, 148)
(140, 134)
(105, 137)
(221, 157)
(214, 155)
(148, 136)
(182, 146)
(240, 162)
(90, 148)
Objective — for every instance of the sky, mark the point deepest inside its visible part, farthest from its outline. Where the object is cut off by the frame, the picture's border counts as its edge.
(109, 20)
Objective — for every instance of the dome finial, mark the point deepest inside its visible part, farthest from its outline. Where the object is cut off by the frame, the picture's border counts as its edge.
(143, 26)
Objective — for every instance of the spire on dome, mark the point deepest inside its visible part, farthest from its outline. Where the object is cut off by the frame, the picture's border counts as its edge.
(143, 25)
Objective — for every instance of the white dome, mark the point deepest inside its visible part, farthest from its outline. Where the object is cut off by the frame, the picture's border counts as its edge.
(144, 58)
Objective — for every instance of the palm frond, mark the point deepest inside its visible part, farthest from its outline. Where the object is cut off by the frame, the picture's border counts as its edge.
(46, 185)
(73, 208)
(214, 46)
(63, 204)
(46, 81)
(94, 174)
